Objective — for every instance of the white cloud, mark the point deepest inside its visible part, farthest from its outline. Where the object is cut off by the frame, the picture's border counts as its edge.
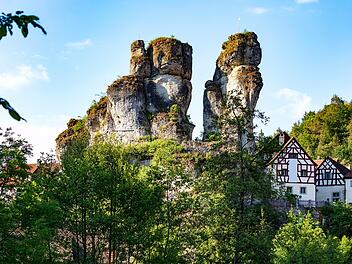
(23, 76)
(40, 133)
(306, 1)
(258, 10)
(295, 102)
(79, 44)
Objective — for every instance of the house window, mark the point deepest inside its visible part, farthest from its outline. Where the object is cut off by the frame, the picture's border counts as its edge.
(304, 173)
(327, 175)
(303, 190)
(283, 172)
(335, 196)
(292, 155)
(289, 189)
(350, 183)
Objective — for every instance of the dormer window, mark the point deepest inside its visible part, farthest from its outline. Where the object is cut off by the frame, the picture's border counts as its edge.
(281, 139)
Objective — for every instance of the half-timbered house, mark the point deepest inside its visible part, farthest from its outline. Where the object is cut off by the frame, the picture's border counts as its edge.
(331, 179)
(294, 169)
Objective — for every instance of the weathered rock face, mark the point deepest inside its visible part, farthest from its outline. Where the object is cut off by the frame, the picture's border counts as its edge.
(236, 76)
(127, 107)
(152, 101)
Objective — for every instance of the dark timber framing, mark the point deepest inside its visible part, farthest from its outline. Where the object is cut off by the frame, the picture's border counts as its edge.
(305, 165)
(330, 173)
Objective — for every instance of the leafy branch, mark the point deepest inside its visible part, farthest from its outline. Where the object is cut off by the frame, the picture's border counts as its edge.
(13, 113)
(22, 21)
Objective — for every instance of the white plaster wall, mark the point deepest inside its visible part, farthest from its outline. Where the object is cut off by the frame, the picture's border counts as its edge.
(325, 192)
(292, 170)
(310, 190)
(348, 190)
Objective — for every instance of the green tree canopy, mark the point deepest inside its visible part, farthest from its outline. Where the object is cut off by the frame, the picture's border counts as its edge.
(327, 132)
(302, 241)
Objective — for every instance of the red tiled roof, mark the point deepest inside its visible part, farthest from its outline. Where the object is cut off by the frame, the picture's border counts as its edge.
(32, 168)
(319, 161)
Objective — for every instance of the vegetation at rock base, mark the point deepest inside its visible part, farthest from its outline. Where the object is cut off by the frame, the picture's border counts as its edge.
(327, 132)
(158, 201)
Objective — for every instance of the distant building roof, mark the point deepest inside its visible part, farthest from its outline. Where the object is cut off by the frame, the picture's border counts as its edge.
(342, 169)
(292, 139)
(32, 168)
(319, 161)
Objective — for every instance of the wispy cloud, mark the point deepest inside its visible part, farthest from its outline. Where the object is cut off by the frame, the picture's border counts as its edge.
(295, 102)
(306, 1)
(288, 8)
(258, 10)
(22, 76)
(80, 44)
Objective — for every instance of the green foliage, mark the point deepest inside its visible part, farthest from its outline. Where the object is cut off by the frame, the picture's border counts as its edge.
(338, 219)
(174, 112)
(233, 220)
(29, 222)
(80, 125)
(213, 136)
(14, 152)
(11, 110)
(22, 21)
(327, 132)
(164, 40)
(148, 202)
(117, 208)
(301, 240)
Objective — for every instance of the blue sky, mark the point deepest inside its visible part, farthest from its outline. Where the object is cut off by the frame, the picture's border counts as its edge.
(307, 54)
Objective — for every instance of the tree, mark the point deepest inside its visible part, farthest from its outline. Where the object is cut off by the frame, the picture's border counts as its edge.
(301, 240)
(110, 202)
(327, 132)
(14, 152)
(233, 219)
(338, 219)
(29, 221)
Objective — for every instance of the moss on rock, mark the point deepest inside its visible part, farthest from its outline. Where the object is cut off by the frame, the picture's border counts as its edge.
(235, 50)
(76, 128)
(164, 41)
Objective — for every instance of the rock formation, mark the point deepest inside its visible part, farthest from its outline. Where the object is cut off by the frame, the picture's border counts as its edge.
(152, 101)
(236, 76)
